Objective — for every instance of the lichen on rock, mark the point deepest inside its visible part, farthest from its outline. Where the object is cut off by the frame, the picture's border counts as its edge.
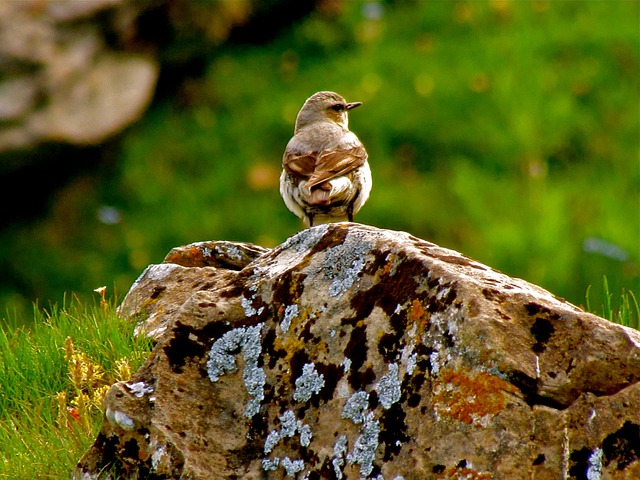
(222, 361)
(352, 352)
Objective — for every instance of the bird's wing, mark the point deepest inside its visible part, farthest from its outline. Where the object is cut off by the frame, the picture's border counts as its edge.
(299, 165)
(335, 163)
(322, 153)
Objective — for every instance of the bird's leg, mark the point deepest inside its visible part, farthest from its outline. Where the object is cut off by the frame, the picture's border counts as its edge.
(350, 213)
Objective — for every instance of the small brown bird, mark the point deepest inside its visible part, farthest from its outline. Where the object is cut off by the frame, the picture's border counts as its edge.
(325, 175)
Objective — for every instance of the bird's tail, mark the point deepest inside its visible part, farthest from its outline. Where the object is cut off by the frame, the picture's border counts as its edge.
(329, 192)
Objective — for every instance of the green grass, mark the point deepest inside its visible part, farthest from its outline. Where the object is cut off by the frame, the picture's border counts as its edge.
(53, 374)
(627, 312)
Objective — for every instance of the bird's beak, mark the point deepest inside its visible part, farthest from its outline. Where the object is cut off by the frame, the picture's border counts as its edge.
(353, 105)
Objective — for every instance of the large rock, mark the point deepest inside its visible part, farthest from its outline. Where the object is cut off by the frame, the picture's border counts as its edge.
(61, 80)
(352, 352)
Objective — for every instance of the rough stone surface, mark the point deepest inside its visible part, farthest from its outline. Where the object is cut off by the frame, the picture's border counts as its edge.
(352, 352)
(186, 270)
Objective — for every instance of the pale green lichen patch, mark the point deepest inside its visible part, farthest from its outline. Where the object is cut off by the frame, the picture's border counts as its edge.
(343, 265)
(222, 361)
(290, 312)
(388, 387)
(309, 383)
(364, 450)
(356, 406)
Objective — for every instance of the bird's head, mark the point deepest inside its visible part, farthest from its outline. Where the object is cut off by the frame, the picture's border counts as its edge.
(325, 106)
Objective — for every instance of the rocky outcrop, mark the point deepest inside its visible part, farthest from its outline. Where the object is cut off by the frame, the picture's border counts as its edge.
(61, 81)
(78, 72)
(352, 352)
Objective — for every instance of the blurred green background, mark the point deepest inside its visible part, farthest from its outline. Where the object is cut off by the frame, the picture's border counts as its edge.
(506, 130)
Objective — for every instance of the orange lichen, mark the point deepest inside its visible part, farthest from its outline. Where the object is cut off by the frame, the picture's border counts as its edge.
(151, 301)
(294, 287)
(290, 342)
(418, 315)
(389, 264)
(470, 396)
(193, 256)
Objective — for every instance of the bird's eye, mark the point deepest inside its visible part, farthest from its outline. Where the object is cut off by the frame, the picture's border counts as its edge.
(338, 107)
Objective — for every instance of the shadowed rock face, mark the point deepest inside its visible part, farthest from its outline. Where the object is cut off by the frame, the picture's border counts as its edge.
(351, 352)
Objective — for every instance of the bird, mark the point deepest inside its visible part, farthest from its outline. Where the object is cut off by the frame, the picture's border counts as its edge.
(325, 174)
